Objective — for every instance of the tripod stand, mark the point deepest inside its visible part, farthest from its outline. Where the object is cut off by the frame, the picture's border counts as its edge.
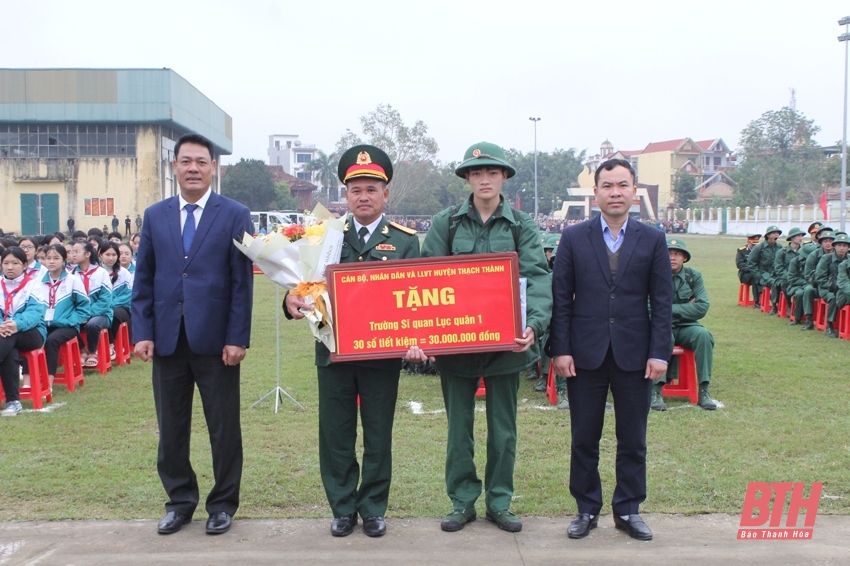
(278, 391)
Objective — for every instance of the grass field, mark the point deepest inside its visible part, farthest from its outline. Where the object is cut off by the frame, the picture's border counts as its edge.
(784, 418)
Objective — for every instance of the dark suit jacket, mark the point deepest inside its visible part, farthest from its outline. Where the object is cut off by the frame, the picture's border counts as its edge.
(591, 311)
(212, 288)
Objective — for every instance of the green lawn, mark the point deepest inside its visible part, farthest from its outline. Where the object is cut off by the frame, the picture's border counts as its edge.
(785, 418)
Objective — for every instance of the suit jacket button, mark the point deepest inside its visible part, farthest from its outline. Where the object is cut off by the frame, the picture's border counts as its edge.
(612, 295)
(611, 320)
(185, 275)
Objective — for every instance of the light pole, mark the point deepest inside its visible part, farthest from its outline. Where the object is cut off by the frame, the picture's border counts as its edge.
(844, 38)
(535, 120)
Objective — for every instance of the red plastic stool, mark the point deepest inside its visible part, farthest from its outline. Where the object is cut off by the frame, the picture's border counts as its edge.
(783, 304)
(745, 298)
(72, 368)
(765, 299)
(104, 364)
(819, 314)
(686, 385)
(551, 391)
(481, 391)
(123, 353)
(844, 322)
(39, 387)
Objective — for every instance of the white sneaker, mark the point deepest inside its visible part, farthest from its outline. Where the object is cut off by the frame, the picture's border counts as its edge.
(112, 354)
(12, 409)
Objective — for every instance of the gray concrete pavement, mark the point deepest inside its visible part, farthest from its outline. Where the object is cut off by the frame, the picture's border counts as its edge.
(699, 539)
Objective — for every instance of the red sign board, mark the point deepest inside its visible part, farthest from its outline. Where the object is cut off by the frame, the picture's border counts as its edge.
(444, 305)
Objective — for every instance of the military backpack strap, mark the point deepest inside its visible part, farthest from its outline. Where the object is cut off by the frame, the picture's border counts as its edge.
(454, 222)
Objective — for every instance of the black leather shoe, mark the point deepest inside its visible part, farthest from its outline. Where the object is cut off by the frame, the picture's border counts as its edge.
(374, 526)
(218, 523)
(343, 526)
(634, 526)
(172, 522)
(809, 326)
(773, 311)
(582, 525)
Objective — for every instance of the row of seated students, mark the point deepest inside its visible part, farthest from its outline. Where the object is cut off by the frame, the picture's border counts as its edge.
(54, 293)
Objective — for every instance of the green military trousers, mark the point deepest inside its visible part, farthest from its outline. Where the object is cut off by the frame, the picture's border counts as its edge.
(810, 293)
(339, 385)
(694, 337)
(835, 302)
(796, 293)
(462, 482)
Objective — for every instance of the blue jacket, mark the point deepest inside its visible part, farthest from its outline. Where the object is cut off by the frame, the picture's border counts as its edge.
(27, 309)
(71, 305)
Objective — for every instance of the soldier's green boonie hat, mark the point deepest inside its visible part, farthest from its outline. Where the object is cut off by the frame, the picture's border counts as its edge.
(841, 239)
(827, 235)
(794, 232)
(364, 161)
(771, 230)
(551, 242)
(754, 236)
(677, 244)
(821, 230)
(484, 154)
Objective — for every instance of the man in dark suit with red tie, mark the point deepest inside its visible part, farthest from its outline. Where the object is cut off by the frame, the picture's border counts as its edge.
(611, 329)
(192, 299)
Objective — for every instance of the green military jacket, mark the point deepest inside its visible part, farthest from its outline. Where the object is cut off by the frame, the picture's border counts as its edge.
(780, 263)
(811, 265)
(741, 259)
(690, 299)
(794, 278)
(808, 248)
(496, 235)
(761, 260)
(844, 277)
(405, 244)
(826, 275)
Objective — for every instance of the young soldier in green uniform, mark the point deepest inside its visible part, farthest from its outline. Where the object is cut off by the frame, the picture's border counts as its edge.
(844, 280)
(690, 305)
(745, 275)
(795, 282)
(783, 257)
(826, 276)
(365, 171)
(760, 263)
(825, 237)
(485, 223)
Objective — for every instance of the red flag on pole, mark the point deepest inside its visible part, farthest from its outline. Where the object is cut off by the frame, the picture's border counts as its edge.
(823, 206)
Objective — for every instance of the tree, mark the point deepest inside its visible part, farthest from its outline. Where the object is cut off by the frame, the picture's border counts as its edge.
(556, 172)
(325, 167)
(409, 148)
(251, 183)
(284, 200)
(684, 187)
(782, 164)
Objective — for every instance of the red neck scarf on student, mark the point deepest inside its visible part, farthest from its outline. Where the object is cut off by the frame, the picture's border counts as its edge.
(9, 296)
(86, 275)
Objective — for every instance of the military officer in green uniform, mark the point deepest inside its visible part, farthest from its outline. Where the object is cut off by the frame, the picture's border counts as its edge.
(690, 305)
(826, 276)
(485, 223)
(365, 171)
(745, 275)
(812, 244)
(784, 256)
(760, 262)
(825, 236)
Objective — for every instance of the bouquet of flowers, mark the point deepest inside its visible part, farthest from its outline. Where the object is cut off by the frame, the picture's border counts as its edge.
(295, 257)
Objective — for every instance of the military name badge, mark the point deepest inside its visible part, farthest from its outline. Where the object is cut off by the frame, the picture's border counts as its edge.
(385, 247)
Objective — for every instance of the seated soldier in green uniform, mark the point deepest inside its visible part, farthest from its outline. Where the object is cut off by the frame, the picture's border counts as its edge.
(826, 276)
(796, 284)
(352, 489)
(745, 274)
(485, 223)
(824, 236)
(760, 262)
(844, 280)
(690, 304)
(785, 256)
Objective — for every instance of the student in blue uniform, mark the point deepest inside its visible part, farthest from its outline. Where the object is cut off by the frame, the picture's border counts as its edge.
(22, 326)
(30, 246)
(125, 258)
(99, 290)
(66, 303)
(122, 288)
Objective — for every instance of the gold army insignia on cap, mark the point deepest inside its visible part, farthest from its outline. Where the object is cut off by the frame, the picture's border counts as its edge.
(363, 158)
(673, 242)
(476, 152)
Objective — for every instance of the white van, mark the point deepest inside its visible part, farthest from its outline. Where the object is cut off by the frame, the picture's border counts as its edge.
(269, 220)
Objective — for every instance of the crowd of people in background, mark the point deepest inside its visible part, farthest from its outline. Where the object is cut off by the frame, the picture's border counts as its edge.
(56, 289)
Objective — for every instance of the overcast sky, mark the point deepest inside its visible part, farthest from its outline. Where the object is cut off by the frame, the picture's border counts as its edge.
(633, 72)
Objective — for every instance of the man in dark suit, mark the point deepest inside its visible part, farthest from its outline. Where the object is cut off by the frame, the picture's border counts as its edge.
(192, 299)
(610, 273)
(365, 170)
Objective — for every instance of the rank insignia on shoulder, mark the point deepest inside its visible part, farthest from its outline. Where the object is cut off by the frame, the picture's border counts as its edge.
(742, 248)
(385, 247)
(404, 229)
(345, 228)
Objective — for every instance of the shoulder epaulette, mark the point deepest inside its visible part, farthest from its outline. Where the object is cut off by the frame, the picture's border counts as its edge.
(742, 248)
(404, 229)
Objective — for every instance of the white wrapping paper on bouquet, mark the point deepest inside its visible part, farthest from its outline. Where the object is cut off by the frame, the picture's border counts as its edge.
(300, 267)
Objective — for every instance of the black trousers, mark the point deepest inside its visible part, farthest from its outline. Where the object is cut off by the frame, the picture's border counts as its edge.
(55, 338)
(174, 380)
(119, 315)
(9, 368)
(587, 392)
